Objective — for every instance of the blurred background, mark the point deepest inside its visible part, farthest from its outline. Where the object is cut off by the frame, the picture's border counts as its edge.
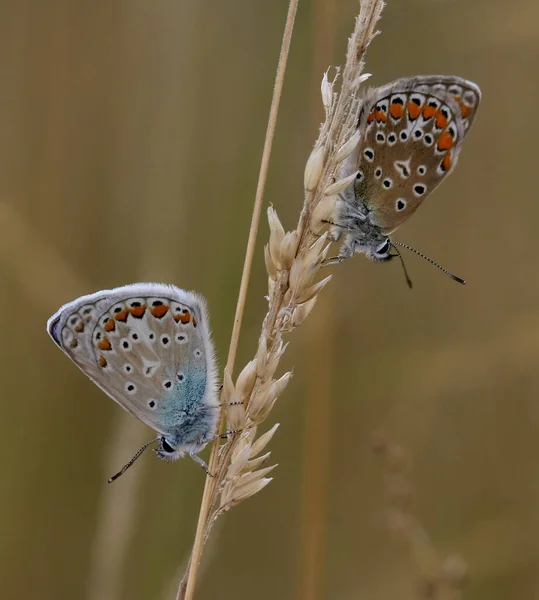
(130, 139)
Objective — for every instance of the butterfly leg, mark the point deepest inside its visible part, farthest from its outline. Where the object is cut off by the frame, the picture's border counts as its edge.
(228, 403)
(197, 459)
(333, 260)
(346, 252)
(193, 452)
(226, 434)
(333, 224)
(335, 231)
(222, 436)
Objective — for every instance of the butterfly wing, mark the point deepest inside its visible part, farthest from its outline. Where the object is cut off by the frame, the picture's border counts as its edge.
(412, 134)
(146, 345)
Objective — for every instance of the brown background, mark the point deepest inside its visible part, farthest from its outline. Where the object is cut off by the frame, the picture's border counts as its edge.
(130, 137)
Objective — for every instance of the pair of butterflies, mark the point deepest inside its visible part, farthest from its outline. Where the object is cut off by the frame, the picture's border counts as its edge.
(148, 345)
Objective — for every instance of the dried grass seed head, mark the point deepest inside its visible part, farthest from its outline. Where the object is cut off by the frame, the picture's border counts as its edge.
(246, 380)
(238, 462)
(348, 147)
(302, 311)
(259, 400)
(289, 248)
(341, 184)
(245, 440)
(323, 212)
(235, 411)
(250, 476)
(261, 356)
(271, 267)
(276, 238)
(263, 441)
(261, 408)
(237, 495)
(236, 416)
(312, 291)
(326, 89)
(314, 168)
(256, 463)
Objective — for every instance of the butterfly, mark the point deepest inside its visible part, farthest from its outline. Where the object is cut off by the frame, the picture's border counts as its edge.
(412, 131)
(148, 346)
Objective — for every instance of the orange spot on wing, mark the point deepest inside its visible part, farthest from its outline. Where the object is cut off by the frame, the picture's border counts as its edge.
(445, 142)
(465, 110)
(381, 116)
(159, 311)
(429, 112)
(446, 163)
(79, 328)
(138, 311)
(104, 344)
(370, 119)
(184, 317)
(413, 110)
(110, 325)
(396, 110)
(122, 316)
(441, 120)
(102, 361)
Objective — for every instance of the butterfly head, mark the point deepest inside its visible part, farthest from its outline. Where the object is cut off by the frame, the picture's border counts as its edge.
(375, 246)
(173, 447)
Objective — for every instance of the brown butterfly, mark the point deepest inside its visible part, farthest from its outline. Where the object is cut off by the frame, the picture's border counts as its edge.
(412, 132)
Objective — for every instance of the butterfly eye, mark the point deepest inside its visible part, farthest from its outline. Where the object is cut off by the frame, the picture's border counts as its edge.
(383, 250)
(166, 446)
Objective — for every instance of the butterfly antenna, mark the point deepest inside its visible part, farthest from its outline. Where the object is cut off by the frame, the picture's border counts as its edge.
(408, 280)
(126, 466)
(432, 262)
